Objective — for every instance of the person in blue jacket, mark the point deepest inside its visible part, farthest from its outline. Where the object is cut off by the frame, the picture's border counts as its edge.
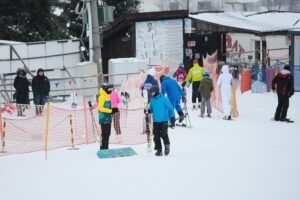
(174, 93)
(149, 83)
(160, 107)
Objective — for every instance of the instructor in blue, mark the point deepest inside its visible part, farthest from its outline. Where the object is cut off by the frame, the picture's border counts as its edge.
(174, 93)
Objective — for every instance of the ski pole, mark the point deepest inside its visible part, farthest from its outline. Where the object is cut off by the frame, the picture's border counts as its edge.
(94, 123)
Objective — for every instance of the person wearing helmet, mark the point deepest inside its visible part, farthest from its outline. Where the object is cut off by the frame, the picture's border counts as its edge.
(206, 87)
(161, 108)
(105, 114)
(21, 84)
(170, 87)
(180, 74)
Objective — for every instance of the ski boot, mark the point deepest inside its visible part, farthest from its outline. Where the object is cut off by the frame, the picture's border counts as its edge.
(181, 117)
(167, 149)
(158, 153)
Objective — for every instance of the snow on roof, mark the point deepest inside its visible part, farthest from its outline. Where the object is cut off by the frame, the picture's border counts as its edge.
(10, 42)
(254, 23)
(280, 18)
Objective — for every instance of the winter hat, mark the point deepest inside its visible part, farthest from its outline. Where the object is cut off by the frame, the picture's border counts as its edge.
(162, 78)
(154, 90)
(39, 70)
(206, 74)
(287, 67)
(151, 71)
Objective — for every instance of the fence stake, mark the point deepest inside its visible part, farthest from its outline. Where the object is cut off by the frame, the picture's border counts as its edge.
(72, 134)
(3, 138)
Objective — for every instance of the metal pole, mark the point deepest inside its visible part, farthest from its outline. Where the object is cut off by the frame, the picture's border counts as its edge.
(96, 37)
(188, 5)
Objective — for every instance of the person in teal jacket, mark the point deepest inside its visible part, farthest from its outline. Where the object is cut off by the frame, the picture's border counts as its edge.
(160, 107)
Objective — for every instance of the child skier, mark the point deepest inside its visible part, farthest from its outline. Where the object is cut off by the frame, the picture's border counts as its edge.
(160, 106)
(225, 82)
(115, 100)
(206, 87)
(180, 74)
(105, 114)
(149, 82)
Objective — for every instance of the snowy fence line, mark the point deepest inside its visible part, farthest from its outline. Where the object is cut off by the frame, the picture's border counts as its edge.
(40, 133)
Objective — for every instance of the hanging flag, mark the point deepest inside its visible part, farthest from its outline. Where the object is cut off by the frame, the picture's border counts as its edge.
(10, 108)
(56, 84)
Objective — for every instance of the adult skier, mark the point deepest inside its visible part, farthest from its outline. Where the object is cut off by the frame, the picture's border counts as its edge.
(195, 75)
(170, 87)
(160, 106)
(225, 83)
(283, 84)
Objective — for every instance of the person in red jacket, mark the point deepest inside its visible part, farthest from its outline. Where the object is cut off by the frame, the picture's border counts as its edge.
(283, 84)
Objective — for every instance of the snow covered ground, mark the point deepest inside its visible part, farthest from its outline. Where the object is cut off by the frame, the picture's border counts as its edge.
(249, 158)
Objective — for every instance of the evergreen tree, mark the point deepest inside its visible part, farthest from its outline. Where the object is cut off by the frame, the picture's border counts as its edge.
(123, 6)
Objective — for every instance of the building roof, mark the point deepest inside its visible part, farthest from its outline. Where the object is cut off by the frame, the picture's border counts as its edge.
(255, 23)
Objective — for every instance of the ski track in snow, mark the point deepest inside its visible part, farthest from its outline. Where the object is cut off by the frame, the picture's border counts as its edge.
(249, 158)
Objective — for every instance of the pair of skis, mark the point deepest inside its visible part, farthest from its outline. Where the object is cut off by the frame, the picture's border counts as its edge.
(147, 120)
(186, 114)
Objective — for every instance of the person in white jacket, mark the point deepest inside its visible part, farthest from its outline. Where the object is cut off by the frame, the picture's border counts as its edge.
(225, 83)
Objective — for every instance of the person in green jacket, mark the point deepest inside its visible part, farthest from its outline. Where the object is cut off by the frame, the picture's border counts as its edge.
(195, 75)
(206, 87)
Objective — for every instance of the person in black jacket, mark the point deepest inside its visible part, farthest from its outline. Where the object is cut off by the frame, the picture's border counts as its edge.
(40, 89)
(21, 84)
(283, 84)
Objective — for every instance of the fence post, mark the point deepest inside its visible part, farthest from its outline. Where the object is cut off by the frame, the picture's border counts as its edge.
(47, 130)
(234, 105)
(0, 123)
(85, 120)
(3, 138)
(72, 134)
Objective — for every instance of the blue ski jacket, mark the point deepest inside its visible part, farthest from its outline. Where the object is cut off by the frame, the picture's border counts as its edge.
(171, 87)
(160, 106)
(148, 84)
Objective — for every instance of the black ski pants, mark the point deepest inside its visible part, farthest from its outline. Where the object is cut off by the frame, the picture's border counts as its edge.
(160, 130)
(282, 107)
(196, 93)
(106, 130)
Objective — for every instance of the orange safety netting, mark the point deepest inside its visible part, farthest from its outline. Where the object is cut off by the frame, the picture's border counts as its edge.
(246, 80)
(28, 134)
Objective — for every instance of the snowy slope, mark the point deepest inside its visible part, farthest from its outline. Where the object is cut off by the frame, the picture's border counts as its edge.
(246, 159)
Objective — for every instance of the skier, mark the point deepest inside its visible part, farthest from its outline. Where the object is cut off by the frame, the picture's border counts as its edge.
(40, 89)
(160, 106)
(115, 100)
(225, 82)
(195, 75)
(149, 82)
(174, 93)
(21, 84)
(180, 74)
(283, 84)
(105, 114)
(206, 87)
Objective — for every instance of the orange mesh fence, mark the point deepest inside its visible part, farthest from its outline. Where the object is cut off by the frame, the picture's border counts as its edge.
(246, 80)
(28, 134)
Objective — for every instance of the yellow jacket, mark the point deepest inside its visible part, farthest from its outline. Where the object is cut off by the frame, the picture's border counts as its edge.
(104, 102)
(195, 73)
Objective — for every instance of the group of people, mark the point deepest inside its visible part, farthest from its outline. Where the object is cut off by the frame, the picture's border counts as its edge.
(40, 88)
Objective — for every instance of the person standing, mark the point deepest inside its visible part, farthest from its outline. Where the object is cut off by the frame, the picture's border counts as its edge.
(206, 87)
(283, 84)
(40, 89)
(160, 106)
(21, 84)
(105, 114)
(174, 92)
(115, 101)
(149, 82)
(225, 82)
(195, 75)
(180, 74)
